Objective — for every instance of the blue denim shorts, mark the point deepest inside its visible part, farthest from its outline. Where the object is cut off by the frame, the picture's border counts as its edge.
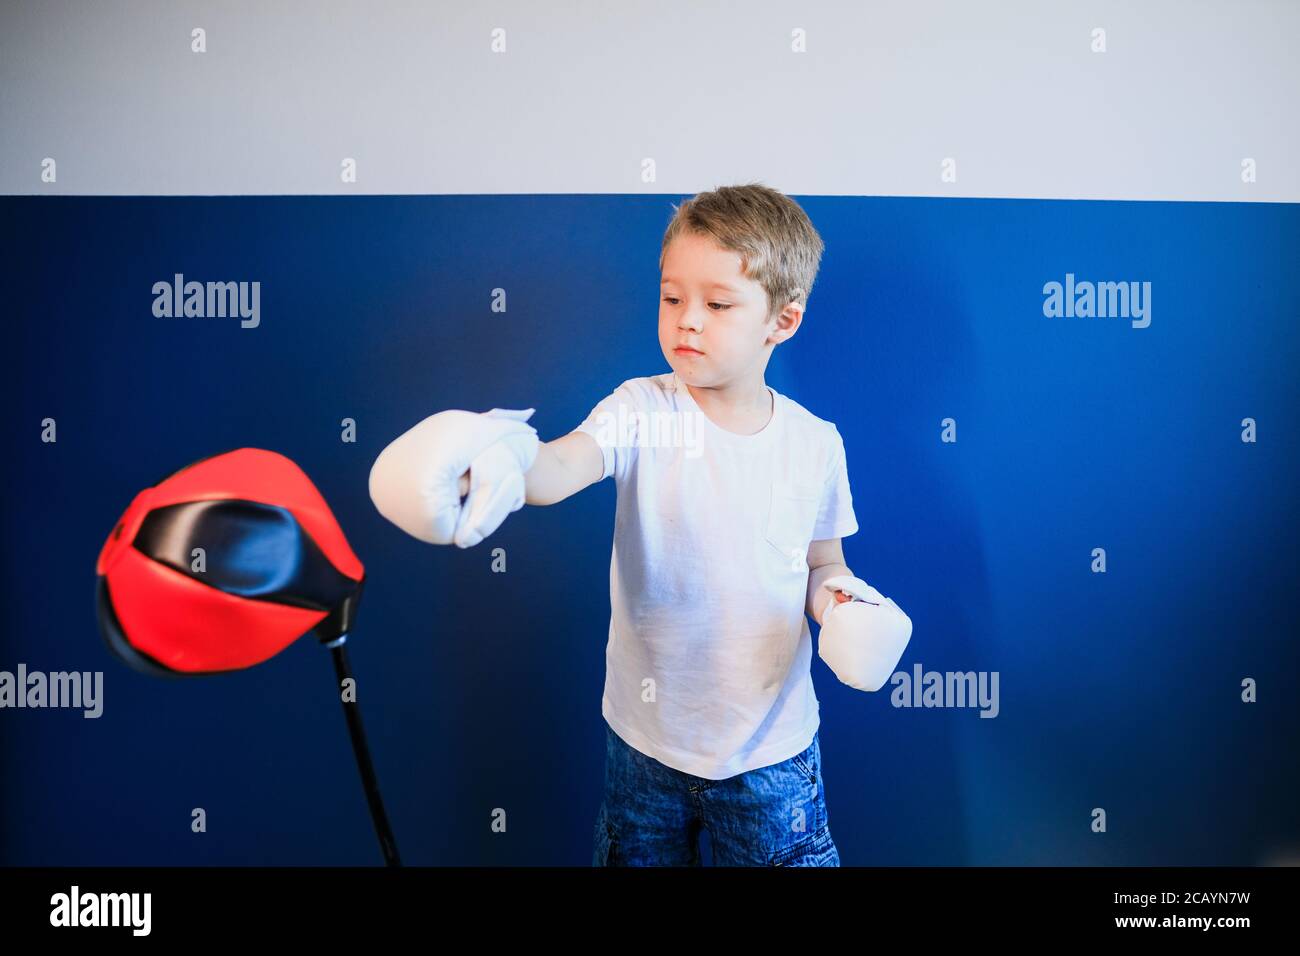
(652, 814)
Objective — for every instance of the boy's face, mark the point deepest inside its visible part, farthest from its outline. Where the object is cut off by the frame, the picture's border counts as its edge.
(707, 305)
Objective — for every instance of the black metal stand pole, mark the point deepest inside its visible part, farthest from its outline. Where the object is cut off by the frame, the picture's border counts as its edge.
(352, 711)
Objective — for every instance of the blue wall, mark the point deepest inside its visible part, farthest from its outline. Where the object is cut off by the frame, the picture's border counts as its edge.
(481, 690)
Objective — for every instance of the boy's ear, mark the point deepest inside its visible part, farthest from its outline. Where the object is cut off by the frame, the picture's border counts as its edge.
(788, 322)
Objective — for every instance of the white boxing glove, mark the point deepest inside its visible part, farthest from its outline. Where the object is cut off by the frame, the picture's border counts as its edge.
(862, 640)
(415, 481)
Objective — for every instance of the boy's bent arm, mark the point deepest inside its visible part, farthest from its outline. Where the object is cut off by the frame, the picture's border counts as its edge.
(863, 642)
(825, 560)
(563, 467)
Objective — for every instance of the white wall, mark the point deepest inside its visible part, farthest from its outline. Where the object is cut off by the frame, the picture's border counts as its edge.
(712, 92)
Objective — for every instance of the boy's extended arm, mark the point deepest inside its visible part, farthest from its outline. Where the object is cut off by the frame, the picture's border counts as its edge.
(563, 467)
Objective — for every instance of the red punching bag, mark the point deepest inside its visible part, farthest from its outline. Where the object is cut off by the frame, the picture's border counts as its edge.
(224, 564)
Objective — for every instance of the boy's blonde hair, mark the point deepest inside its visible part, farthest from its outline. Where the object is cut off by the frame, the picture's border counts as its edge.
(777, 244)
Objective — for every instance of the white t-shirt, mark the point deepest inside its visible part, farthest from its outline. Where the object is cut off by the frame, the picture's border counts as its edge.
(708, 663)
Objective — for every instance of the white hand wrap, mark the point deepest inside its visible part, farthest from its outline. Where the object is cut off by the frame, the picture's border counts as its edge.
(415, 481)
(862, 640)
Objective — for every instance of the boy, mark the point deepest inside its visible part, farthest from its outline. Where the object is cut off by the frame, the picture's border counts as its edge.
(732, 501)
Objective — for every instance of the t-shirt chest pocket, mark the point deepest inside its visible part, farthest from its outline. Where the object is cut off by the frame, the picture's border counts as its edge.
(791, 516)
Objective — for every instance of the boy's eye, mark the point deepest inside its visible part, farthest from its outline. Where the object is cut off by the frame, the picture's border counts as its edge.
(722, 306)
